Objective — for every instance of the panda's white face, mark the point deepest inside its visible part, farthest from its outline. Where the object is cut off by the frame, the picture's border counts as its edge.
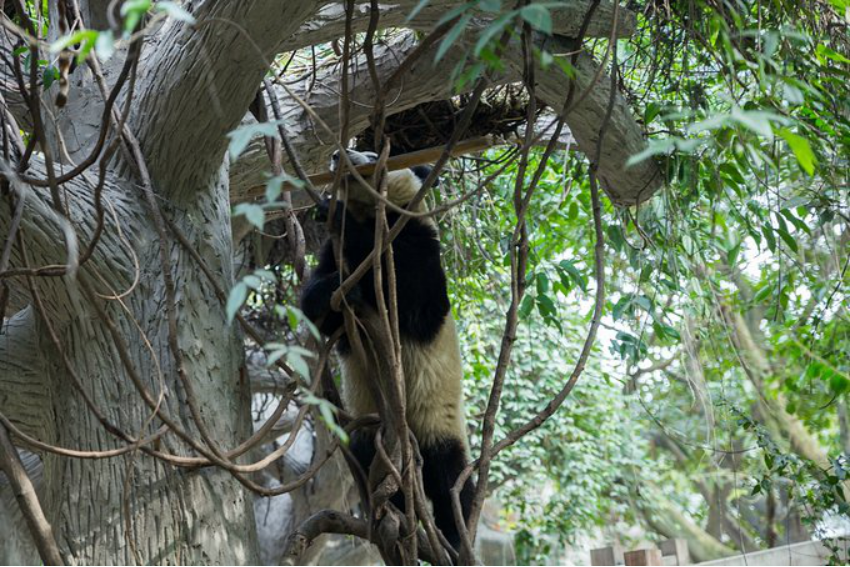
(402, 185)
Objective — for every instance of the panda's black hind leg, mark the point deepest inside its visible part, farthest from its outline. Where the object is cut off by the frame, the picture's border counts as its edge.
(443, 463)
(362, 446)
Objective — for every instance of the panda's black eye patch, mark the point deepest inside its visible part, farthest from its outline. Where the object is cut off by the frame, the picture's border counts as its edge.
(422, 172)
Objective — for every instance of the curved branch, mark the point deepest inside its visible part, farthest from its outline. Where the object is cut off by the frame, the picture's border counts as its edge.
(624, 137)
(16, 545)
(422, 82)
(323, 522)
(22, 486)
(333, 522)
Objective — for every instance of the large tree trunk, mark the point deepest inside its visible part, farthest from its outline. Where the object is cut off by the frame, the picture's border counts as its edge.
(174, 515)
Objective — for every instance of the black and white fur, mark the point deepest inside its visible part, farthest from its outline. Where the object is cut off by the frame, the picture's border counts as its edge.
(430, 352)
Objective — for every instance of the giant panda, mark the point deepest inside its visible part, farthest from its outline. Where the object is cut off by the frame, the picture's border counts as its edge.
(430, 351)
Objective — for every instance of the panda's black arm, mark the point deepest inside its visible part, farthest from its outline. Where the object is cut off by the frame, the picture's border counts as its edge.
(357, 242)
(423, 299)
(317, 292)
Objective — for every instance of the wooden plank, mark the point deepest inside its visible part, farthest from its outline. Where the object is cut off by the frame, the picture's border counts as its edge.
(419, 157)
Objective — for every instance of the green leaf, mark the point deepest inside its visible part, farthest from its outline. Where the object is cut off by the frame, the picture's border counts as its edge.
(759, 121)
(801, 148)
(265, 275)
(133, 11)
(241, 137)
(566, 280)
(651, 111)
(525, 306)
(237, 297)
(669, 332)
(418, 8)
(767, 231)
(622, 306)
(252, 282)
(574, 273)
(175, 12)
(104, 45)
(297, 362)
(452, 36)
(653, 148)
(763, 294)
(131, 6)
(51, 74)
(542, 283)
(546, 306)
(839, 384)
(82, 37)
(454, 13)
(538, 17)
(826, 53)
(495, 27)
(274, 187)
(787, 238)
(253, 213)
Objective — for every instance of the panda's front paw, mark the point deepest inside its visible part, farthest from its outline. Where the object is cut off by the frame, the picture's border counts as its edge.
(322, 210)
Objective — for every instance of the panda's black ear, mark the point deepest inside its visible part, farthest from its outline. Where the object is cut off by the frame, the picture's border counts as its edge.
(422, 172)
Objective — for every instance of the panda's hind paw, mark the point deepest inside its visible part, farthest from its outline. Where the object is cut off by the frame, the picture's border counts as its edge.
(354, 297)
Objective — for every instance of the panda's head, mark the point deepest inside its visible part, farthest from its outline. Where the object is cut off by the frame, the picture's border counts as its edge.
(402, 185)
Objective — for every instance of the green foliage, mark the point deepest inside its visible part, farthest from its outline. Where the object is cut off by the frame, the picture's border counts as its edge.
(566, 477)
(239, 293)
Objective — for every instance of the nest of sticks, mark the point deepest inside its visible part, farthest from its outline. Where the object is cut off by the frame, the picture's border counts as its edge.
(501, 112)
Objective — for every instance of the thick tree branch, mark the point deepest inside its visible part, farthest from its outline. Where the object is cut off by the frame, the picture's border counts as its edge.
(423, 82)
(11, 95)
(329, 23)
(200, 81)
(624, 138)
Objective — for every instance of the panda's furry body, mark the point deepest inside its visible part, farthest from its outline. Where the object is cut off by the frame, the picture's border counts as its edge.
(430, 352)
